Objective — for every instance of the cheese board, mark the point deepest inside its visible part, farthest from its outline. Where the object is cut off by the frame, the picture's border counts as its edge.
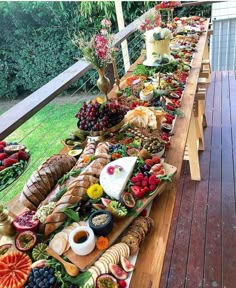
(84, 262)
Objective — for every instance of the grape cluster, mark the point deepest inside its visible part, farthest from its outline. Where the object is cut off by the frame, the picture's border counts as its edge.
(99, 117)
(41, 277)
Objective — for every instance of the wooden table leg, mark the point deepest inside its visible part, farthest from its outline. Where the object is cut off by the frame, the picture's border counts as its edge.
(192, 143)
(148, 268)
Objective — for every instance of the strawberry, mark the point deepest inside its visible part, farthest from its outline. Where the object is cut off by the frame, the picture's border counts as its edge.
(149, 162)
(3, 143)
(110, 170)
(9, 162)
(14, 156)
(22, 155)
(144, 213)
(122, 284)
(136, 190)
(156, 159)
(144, 183)
(3, 156)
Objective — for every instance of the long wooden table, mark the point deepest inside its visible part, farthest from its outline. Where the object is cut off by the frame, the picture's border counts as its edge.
(150, 259)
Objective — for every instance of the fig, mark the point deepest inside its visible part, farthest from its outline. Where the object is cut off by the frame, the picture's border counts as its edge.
(106, 280)
(99, 206)
(39, 252)
(128, 200)
(117, 209)
(4, 248)
(126, 265)
(118, 272)
(25, 241)
(25, 222)
(105, 201)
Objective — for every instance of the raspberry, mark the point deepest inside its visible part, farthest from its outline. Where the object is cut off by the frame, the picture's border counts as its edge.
(156, 159)
(122, 284)
(149, 162)
(153, 187)
(143, 213)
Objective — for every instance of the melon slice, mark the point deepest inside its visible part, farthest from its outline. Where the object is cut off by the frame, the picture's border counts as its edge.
(115, 183)
(14, 269)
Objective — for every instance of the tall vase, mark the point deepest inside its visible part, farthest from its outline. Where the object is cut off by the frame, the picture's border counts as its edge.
(103, 82)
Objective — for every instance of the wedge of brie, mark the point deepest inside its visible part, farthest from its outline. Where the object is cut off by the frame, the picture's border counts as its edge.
(114, 183)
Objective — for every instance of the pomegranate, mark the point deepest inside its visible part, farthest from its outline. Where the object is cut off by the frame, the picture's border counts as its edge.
(25, 241)
(25, 222)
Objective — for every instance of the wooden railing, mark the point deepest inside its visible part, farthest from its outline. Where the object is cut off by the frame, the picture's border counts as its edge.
(21, 112)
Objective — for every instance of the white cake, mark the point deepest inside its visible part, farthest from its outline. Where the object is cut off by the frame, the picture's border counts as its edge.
(156, 49)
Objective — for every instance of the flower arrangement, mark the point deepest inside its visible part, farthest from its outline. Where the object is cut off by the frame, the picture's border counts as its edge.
(99, 50)
(151, 21)
(158, 33)
(168, 5)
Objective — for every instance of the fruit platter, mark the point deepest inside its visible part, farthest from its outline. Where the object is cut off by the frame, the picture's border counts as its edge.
(85, 211)
(14, 159)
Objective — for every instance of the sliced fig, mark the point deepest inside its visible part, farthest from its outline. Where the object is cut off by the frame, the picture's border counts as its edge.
(118, 272)
(98, 206)
(4, 248)
(126, 265)
(105, 201)
(25, 222)
(106, 280)
(25, 241)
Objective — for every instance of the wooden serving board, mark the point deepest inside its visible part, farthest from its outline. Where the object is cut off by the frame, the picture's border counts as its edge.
(84, 262)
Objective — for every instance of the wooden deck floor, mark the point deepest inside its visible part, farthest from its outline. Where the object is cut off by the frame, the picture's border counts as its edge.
(201, 249)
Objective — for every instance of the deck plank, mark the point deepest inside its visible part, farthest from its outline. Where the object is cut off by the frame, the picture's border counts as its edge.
(212, 268)
(228, 180)
(194, 275)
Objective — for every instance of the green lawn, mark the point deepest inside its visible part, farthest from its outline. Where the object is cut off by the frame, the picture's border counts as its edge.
(42, 135)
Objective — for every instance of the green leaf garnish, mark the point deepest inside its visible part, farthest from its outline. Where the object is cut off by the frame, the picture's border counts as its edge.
(71, 214)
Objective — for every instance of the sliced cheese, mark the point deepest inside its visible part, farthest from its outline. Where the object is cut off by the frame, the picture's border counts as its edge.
(114, 184)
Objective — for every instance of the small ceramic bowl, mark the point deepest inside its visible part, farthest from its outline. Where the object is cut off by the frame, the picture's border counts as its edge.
(82, 240)
(165, 127)
(102, 229)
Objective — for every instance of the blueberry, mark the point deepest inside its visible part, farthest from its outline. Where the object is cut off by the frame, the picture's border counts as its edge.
(46, 273)
(51, 271)
(38, 281)
(40, 284)
(27, 286)
(52, 280)
(36, 274)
